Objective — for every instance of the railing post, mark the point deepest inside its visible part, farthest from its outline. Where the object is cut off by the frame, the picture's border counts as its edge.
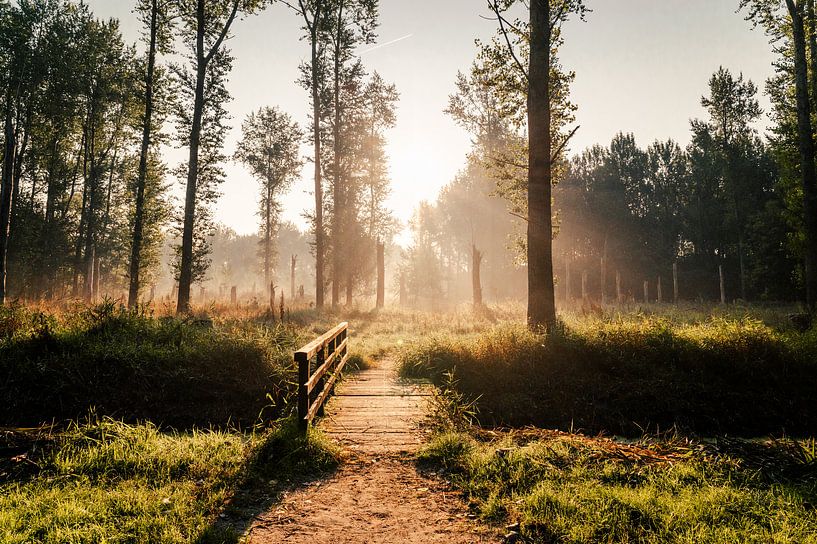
(319, 386)
(303, 392)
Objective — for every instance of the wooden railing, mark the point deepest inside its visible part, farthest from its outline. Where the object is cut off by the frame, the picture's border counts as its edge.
(319, 365)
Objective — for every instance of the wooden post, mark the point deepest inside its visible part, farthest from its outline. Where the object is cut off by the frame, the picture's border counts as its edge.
(646, 291)
(381, 275)
(293, 266)
(584, 285)
(603, 280)
(234, 295)
(675, 282)
(303, 391)
(660, 294)
(476, 282)
(723, 285)
(618, 286)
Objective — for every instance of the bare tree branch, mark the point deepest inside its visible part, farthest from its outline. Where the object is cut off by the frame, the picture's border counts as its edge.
(563, 144)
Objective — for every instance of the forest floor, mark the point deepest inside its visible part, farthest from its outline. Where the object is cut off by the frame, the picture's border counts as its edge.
(378, 495)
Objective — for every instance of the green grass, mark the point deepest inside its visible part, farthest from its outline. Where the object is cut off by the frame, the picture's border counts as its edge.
(112, 482)
(571, 489)
(628, 375)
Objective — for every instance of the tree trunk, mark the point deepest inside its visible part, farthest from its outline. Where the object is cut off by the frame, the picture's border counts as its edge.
(806, 147)
(6, 189)
(320, 243)
(292, 277)
(722, 284)
(476, 281)
(268, 233)
(541, 303)
(141, 180)
(675, 282)
(381, 275)
(337, 197)
(186, 269)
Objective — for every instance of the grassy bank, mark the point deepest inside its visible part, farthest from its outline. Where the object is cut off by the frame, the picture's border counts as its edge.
(134, 366)
(631, 375)
(107, 481)
(572, 489)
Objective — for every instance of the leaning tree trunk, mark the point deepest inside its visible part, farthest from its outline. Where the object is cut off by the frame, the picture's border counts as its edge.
(806, 147)
(141, 181)
(541, 303)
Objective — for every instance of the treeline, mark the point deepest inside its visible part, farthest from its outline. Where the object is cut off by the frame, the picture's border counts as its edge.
(717, 204)
(85, 206)
(72, 110)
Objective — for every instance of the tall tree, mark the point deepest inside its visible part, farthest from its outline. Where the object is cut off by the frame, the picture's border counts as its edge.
(206, 24)
(785, 20)
(545, 17)
(270, 150)
(315, 14)
(155, 15)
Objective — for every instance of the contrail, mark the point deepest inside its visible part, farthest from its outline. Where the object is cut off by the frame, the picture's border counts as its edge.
(406, 37)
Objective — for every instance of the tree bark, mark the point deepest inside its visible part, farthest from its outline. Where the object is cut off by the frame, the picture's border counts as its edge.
(320, 240)
(186, 269)
(141, 181)
(476, 280)
(6, 189)
(381, 275)
(806, 147)
(292, 277)
(337, 221)
(541, 303)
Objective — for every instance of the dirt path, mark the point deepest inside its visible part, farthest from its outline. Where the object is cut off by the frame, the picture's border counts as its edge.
(377, 496)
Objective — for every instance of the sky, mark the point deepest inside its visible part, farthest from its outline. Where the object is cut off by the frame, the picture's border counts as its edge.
(641, 66)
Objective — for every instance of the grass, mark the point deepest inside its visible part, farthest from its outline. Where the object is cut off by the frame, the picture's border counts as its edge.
(134, 366)
(107, 481)
(630, 374)
(572, 489)
(128, 476)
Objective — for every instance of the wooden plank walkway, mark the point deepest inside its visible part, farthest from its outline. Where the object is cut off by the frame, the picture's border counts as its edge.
(377, 496)
(375, 412)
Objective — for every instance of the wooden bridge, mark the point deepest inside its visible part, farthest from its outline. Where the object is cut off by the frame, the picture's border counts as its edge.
(373, 411)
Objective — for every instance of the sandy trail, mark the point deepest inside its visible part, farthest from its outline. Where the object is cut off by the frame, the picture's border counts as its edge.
(377, 496)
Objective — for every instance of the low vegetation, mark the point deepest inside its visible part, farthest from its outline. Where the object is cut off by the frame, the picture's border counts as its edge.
(559, 487)
(135, 366)
(630, 375)
(106, 481)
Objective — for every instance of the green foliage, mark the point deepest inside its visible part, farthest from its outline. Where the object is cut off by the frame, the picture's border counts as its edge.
(626, 375)
(567, 488)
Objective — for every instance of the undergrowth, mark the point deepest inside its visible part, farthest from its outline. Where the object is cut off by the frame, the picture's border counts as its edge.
(134, 366)
(572, 489)
(107, 481)
(630, 376)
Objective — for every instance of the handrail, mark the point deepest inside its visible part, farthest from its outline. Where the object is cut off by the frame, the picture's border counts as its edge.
(330, 353)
